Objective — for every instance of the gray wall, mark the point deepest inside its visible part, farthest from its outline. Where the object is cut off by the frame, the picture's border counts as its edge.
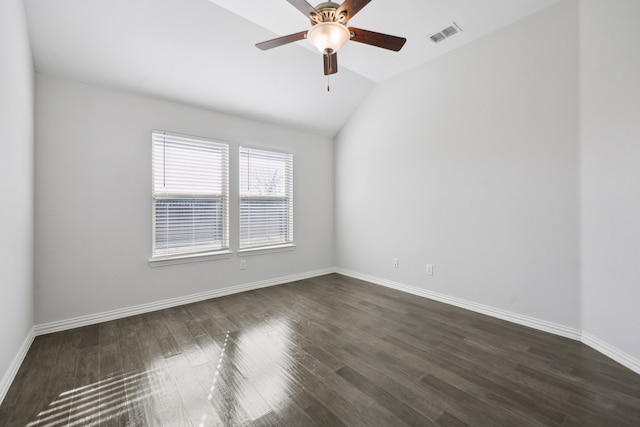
(93, 188)
(610, 161)
(16, 184)
(511, 165)
(471, 163)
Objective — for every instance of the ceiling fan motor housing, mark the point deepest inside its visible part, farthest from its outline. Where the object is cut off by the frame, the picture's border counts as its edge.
(327, 13)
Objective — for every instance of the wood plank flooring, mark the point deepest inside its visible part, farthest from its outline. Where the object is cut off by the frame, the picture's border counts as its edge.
(328, 351)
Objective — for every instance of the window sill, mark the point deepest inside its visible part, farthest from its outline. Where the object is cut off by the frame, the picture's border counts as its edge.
(266, 250)
(189, 258)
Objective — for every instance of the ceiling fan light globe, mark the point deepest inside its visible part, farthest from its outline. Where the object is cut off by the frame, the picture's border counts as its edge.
(328, 36)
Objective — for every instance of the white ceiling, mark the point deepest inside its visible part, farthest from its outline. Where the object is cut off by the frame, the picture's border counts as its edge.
(202, 53)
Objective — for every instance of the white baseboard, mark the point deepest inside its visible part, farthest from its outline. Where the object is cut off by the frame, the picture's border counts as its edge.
(92, 319)
(520, 319)
(612, 352)
(608, 350)
(543, 325)
(15, 365)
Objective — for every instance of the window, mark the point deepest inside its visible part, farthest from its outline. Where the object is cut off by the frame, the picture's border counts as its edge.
(190, 196)
(266, 198)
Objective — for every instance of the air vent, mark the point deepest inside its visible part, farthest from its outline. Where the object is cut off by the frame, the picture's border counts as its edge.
(446, 33)
(449, 31)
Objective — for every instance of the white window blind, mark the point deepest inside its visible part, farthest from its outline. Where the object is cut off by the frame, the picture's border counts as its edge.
(190, 195)
(266, 198)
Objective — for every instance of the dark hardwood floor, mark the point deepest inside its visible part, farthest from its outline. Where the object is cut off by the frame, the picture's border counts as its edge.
(328, 351)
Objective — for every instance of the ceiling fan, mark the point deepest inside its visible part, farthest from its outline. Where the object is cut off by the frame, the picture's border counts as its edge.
(329, 31)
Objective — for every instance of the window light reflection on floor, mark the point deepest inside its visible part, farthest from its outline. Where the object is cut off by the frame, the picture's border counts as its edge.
(97, 402)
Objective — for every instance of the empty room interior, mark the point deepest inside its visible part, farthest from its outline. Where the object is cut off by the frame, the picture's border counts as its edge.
(358, 213)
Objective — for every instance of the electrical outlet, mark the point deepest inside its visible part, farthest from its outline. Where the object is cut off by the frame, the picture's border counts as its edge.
(395, 262)
(243, 264)
(430, 269)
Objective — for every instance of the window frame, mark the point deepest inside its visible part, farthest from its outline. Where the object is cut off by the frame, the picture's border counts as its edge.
(177, 256)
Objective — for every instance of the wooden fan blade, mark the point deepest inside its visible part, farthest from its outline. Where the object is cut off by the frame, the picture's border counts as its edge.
(330, 63)
(304, 7)
(351, 7)
(372, 38)
(270, 44)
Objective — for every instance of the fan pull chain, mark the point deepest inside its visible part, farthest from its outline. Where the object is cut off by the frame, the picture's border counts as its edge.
(328, 84)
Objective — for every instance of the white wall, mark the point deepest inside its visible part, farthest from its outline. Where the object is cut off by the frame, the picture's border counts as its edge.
(470, 163)
(610, 160)
(16, 184)
(93, 211)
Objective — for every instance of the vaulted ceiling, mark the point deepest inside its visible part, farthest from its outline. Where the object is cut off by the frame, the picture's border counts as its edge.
(202, 52)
